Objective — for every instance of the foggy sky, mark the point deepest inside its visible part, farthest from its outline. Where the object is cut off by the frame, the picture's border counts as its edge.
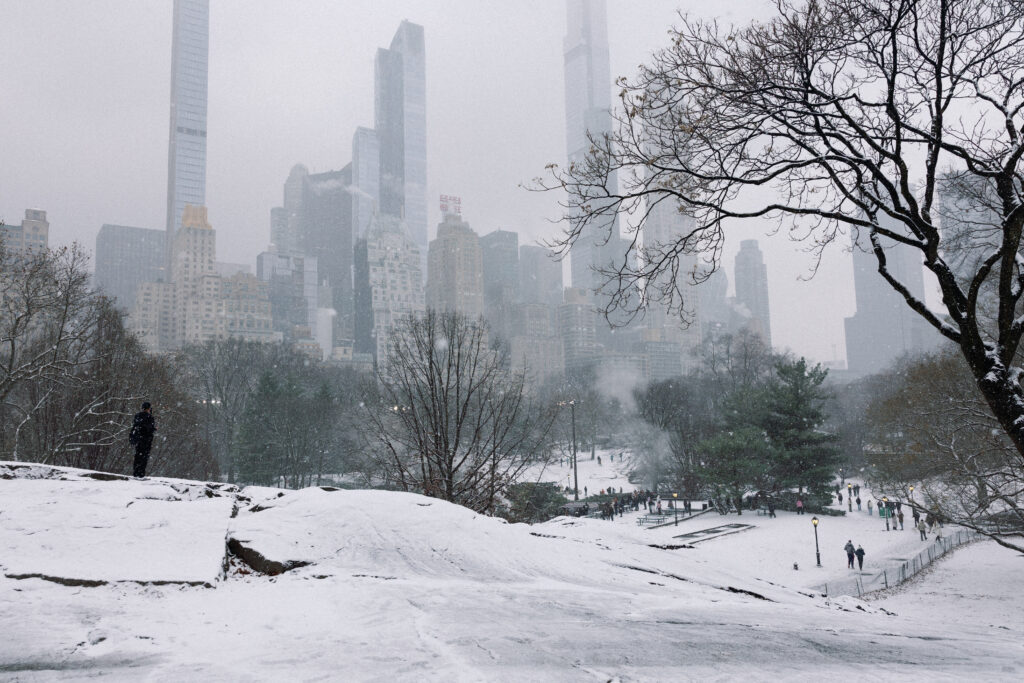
(84, 119)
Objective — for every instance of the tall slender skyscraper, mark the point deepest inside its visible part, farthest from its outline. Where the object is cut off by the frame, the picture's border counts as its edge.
(752, 288)
(400, 118)
(588, 111)
(186, 157)
(884, 326)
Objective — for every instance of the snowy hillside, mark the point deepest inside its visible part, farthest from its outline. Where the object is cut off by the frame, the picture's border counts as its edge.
(176, 580)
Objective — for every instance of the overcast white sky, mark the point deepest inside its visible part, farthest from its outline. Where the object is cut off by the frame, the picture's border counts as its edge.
(84, 118)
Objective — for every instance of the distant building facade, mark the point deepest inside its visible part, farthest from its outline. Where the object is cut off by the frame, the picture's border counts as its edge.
(291, 282)
(752, 288)
(455, 280)
(577, 326)
(126, 257)
(540, 276)
(500, 256)
(32, 235)
(389, 284)
(884, 326)
(198, 305)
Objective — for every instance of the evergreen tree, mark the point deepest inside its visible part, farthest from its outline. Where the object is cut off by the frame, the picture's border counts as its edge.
(805, 456)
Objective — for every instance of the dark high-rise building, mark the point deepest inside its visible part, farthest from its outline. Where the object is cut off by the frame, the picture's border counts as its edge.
(126, 257)
(326, 233)
(292, 289)
(500, 252)
(400, 118)
(884, 327)
(752, 288)
(365, 179)
(577, 325)
(540, 276)
(186, 157)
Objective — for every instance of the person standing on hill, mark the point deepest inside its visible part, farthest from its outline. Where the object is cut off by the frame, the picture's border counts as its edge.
(849, 553)
(860, 556)
(799, 506)
(141, 436)
(921, 527)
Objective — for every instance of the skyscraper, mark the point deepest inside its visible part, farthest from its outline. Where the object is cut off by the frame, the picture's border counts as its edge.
(400, 118)
(540, 276)
(326, 233)
(588, 111)
(125, 258)
(752, 288)
(365, 179)
(884, 327)
(500, 252)
(186, 156)
(664, 227)
(455, 274)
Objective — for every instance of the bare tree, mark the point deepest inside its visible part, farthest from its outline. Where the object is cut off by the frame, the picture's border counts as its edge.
(932, 430)
(49, 320)
(451, 419)
(833, 117)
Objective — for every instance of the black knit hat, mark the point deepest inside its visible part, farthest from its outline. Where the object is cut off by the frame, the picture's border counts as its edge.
(145, 405)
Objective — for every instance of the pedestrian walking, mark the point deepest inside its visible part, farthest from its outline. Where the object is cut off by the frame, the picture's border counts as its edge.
(840, 498)
(799, 506)
(771, 508)
(899, 517)
(860, 556)
(869, 506)
(141, 436)
(850, 550)
(858, 503)
(922, 527)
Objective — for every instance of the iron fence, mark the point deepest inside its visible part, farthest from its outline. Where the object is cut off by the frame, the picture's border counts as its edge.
(900, 569)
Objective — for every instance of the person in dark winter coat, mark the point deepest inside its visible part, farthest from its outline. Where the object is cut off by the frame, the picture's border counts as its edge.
(141, 436)
(849, 553)
(860, 557)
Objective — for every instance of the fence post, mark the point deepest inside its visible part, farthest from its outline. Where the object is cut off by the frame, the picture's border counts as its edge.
(885, 577)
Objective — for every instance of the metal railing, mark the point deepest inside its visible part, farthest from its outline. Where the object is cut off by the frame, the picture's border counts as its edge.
(899, 570)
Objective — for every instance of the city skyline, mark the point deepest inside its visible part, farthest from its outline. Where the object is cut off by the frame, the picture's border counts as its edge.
(247, 152)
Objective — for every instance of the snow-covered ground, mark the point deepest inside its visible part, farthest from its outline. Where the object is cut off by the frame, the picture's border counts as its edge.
(410, 588)
(612, 471)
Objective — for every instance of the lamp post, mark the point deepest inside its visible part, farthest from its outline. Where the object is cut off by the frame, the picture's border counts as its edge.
(842, 477)
(575, 471)
(849, 496)
(885, 507)
(675, 506)
(817, 548)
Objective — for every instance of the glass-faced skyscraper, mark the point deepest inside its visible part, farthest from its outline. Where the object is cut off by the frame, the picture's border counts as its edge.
(400, 118)
(588, 110)
(186, 158)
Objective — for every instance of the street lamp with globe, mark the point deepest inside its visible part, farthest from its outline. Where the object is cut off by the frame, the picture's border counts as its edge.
(817, 548)
(849, 496)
